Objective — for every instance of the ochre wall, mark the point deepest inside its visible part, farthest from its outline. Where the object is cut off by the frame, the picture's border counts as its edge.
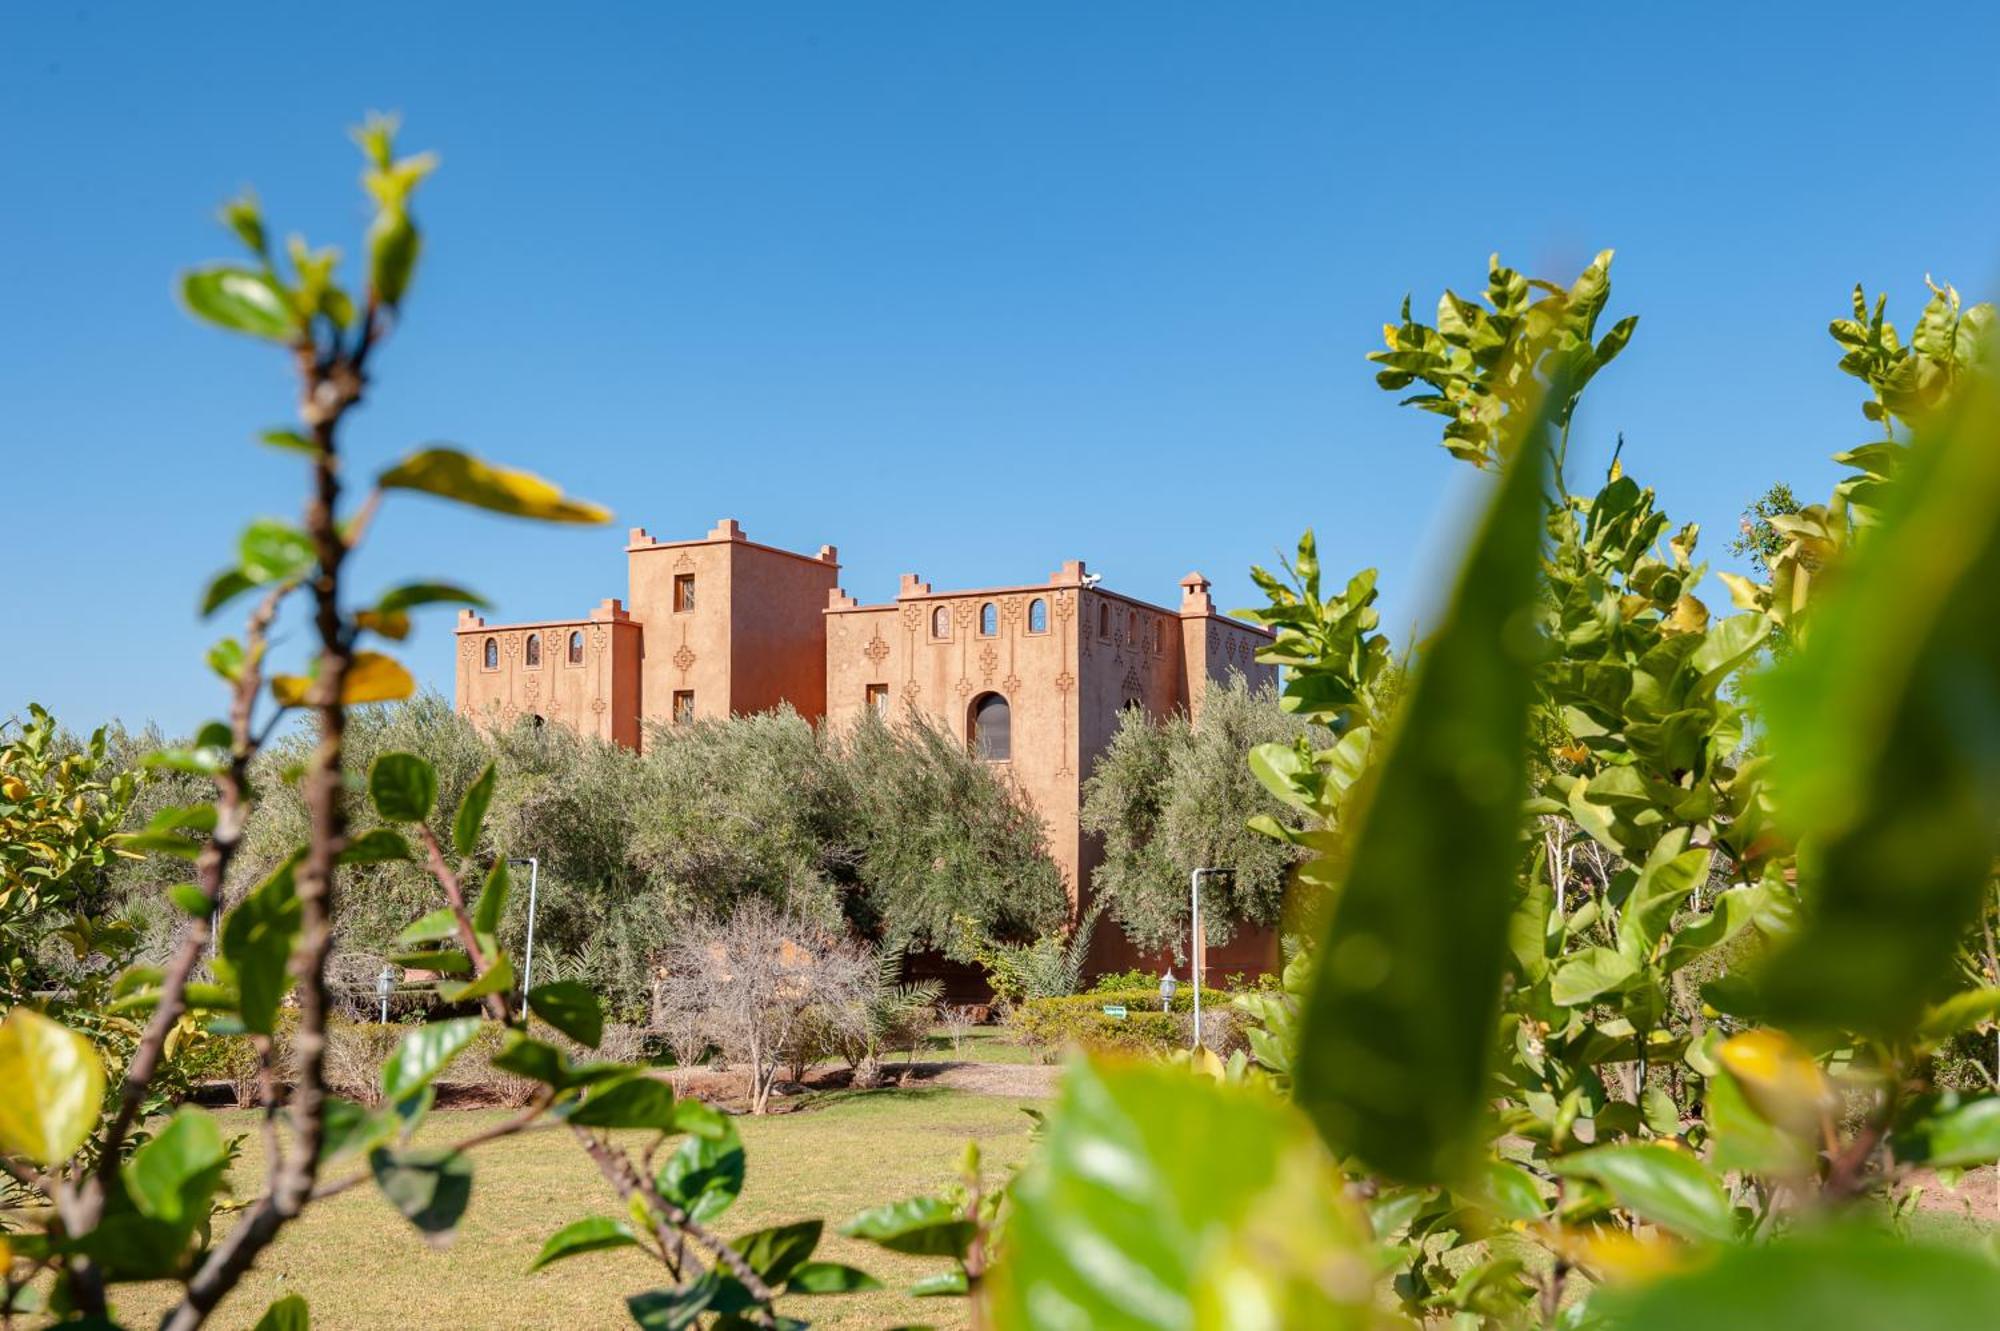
(755, 637)
(598, 697)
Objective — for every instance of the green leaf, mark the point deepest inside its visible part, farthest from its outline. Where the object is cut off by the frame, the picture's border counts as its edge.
(424, 1053)
(393, 245)
(436, 926)
(921, 1227)
(674, 1309)
(287, 1314)
(492, 901)
(498, 977)
(431, 1188)
(1511, 1192)
(942, 1285)
(777, 1252)
(1953, 1135)
(413, 594)
(1961, 1012)
(1398, 1025)
(1833, 1280)
(51, 1088)
(1590, 973)
(350, 1129)
(452, 474)
(1161, 1199)
(591, 1234)
(191, 900)
(441, 961)
(257, 941)
(571, 1008)
(403, 787)
(241, 300)
(1881, 735)
(830, 1278)
(471, 816)
(223, 588)
(1743, 1140)
(291, 441)
(174, 1175)
(378, 845)
(636, 1101)
(273, 551)
(704, 1175)
(226, 659)
(1658, 1183)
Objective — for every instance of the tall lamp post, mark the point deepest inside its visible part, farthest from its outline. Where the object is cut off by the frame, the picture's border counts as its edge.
(1197, 943)
(534, 872)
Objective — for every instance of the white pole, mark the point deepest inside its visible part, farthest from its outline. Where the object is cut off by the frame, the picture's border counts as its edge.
(1194, 947)
(528, 969)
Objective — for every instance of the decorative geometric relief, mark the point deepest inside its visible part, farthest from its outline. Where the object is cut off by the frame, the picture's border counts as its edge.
(913, 617)
(1131, 684)
(961, 613)
(1011, 684)
(684, 658)
(512, 646)
(1065, 682)
(597, 637)
(534, 688)
(465, 649)
(989, 660)
(597, 704)
(963, 687)
(912, 691)
(684, 563)
(1065, 605)
(1010, 609)
(876, 649)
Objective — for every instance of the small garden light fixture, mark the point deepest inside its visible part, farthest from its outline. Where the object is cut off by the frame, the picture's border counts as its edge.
(1167, 986)
(385, 984)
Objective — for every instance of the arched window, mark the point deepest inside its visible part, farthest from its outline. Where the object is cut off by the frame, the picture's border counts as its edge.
(1132, 627)
(1104, 621)
(1038, 616)
(576, 647)
(991, 729)
(533, 653)
(492, 654)
(989, 620)
(941, 622)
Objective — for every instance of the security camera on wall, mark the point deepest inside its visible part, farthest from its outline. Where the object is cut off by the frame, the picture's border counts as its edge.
(1092, 579)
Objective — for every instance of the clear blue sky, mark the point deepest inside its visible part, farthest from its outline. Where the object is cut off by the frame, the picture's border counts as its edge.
(965, 289)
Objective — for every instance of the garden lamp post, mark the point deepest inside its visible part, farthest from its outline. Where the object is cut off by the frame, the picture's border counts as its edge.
(1167, 986)
(528, 963)
(384, 984)
(1197, 944)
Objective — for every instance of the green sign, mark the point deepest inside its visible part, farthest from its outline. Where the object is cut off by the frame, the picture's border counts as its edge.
(1115, 1011)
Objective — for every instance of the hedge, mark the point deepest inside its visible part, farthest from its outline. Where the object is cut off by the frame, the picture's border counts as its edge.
(1080, 1019)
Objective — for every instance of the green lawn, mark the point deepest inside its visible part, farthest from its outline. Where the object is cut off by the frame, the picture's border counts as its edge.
(361, 1265)
(981, 1044)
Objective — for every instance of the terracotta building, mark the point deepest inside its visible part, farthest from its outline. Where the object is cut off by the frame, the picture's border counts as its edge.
(1035, 677)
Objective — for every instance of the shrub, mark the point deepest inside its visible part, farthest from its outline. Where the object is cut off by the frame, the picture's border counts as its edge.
(1080, 1019)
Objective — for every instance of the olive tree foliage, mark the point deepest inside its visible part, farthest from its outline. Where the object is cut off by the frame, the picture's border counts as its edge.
(113, 1193)
(1171, 795)
(944, 843)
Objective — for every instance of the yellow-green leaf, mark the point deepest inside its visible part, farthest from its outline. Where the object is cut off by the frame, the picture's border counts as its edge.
(371, 677)
(453, 474)
(51, 1088)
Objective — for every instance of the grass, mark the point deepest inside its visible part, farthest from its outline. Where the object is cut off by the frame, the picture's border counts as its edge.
(359, 1263)
(982, 1044)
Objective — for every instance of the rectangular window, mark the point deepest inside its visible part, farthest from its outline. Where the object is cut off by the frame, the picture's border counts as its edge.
(683, 593)
(878, 699)
(683, 707)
